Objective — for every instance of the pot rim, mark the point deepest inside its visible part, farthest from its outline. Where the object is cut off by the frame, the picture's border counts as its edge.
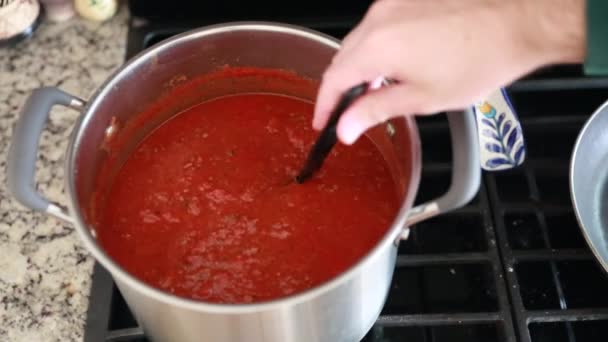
(583, 134)
(392, 236)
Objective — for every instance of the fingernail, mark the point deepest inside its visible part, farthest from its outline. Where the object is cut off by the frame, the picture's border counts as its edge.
(350, 129)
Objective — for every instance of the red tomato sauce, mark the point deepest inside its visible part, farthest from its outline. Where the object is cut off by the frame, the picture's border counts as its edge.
(206, 208)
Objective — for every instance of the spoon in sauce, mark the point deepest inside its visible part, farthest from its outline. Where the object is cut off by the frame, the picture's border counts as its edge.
(328, 138)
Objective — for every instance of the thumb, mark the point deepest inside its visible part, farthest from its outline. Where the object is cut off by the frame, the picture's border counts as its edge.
(377, 107)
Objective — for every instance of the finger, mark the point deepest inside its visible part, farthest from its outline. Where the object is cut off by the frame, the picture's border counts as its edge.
(352, 39)
(336, 80)
(341, 74)
(377, 107)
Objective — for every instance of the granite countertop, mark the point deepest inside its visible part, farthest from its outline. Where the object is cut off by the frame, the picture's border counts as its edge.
(45, 272)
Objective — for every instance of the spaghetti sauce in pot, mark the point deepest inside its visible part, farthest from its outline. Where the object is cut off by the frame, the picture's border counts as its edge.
(206, 206)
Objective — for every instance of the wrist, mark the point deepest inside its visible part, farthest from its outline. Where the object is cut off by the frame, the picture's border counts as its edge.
(555, 30)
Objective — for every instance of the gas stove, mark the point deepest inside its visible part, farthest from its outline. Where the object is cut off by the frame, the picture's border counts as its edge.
(510, 266)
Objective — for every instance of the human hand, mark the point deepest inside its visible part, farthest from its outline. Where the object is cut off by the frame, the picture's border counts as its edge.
(445, 54)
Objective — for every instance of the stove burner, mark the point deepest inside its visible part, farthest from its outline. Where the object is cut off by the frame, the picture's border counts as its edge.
(511, 266)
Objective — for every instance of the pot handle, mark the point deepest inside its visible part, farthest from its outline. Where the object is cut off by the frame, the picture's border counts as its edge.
(22, 154)
(466, 173)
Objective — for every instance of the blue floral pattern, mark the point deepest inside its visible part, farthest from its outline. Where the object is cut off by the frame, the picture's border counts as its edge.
(502, 138)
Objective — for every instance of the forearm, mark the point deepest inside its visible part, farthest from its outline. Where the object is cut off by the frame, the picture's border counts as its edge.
(556, 30)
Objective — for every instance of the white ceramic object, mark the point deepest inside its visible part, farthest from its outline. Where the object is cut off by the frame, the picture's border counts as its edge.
(501, 140)
(18, 20)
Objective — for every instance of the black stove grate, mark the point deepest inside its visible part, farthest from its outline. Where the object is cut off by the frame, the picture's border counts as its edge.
(557, 288)
(511, 266)
(448, 283)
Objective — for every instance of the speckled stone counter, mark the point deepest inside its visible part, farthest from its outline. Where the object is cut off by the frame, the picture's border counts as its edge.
(44, 270)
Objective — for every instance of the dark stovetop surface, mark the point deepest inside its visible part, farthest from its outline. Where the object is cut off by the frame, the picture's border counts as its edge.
(510, 266)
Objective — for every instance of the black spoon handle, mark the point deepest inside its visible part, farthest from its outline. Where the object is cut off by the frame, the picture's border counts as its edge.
(328, 138)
